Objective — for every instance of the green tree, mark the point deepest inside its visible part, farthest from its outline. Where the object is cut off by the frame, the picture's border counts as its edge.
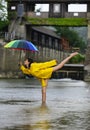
(74, 39)
(3, 10)
(3, 15)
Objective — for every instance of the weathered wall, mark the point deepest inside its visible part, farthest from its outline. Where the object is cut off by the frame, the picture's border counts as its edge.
(88, 48)
(8, 62)
(87, 59)
(10, 58)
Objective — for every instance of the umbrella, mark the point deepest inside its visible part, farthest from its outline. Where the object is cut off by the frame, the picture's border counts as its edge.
(21, 45)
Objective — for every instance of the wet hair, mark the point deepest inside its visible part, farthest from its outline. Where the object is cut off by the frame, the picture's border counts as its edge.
(30, 60)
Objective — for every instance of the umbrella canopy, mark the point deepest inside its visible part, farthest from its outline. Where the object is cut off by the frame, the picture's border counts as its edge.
(21, 45)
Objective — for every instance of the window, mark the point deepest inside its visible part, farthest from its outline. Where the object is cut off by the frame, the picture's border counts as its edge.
(56, 8)
(50, 42)
(77, 8)
(43, 39)
(53, 43)
(35, 37)
(75, 14)
(13, 7)
(56, 44)
(46, 41)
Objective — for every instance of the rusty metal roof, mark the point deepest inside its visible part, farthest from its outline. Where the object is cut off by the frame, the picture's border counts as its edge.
(46, 31)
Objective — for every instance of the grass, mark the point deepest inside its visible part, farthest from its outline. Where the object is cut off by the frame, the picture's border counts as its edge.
(58, 21)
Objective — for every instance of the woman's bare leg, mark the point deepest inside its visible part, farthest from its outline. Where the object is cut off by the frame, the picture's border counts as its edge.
(44, 92)
(59, 66)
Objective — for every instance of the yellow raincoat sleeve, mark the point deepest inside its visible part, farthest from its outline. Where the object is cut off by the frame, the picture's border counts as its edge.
(25, 70)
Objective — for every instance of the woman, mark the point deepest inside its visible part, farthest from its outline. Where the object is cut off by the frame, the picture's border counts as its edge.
(43, 71)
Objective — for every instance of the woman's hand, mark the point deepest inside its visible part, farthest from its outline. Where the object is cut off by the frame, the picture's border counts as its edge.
(73, 54)
(20, 63)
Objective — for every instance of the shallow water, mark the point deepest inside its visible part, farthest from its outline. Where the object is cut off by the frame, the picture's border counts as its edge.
(67, 107)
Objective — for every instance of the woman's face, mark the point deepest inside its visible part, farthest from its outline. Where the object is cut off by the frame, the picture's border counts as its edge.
(26, 62)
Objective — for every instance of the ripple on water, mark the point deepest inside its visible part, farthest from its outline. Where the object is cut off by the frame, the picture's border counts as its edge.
(67, 108)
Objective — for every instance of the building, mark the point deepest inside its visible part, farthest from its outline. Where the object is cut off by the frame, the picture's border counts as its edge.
(49, 43)
(57, 8)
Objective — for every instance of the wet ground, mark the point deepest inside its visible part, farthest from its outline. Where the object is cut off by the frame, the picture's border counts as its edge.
(67, 107)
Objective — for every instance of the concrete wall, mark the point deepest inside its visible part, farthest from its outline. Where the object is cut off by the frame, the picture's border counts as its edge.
(66, 15)
(10, 58)
(88, 48)
(75, 15)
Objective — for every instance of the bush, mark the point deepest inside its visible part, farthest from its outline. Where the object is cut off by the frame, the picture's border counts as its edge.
(77, 59)
(3, 24)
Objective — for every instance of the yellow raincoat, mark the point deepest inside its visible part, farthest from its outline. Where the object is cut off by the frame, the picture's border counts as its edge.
(40, 70)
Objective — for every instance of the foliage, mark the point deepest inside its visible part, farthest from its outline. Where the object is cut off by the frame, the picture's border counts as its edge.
(72, 36)
(3, 12)
(1, 5)
(3, 24)
(58, 21)
(77, 59)
(12, 15)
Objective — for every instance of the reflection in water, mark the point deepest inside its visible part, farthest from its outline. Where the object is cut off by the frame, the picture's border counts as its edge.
(67, 108)
(42, 124)
(38, 112)
(69, 121)
(41, 114)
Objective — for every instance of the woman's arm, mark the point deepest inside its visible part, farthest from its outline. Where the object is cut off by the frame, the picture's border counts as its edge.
(25, 70)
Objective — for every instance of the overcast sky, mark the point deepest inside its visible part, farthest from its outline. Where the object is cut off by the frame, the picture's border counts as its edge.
(71, 7)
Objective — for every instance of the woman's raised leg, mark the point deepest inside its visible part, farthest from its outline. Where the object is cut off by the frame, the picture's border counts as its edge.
(59, 66)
